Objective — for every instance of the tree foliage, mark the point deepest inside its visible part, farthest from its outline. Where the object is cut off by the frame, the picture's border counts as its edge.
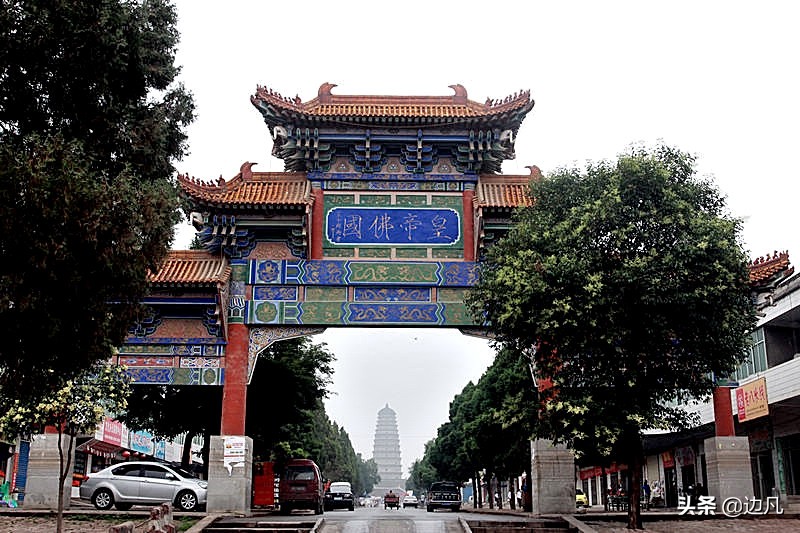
(627, 285)
(77, 407)
(489, 427)
(422, 473)
(90, 124)
(167, 411)
(368, 476)
(290, 380)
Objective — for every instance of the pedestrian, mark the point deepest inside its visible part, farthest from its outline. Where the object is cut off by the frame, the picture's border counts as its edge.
(519, 499)
(646, 493)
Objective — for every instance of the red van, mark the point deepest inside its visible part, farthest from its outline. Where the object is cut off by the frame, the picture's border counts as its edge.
(301, 487)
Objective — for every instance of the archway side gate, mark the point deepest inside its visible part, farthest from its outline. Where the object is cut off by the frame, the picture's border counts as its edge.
(379, 219)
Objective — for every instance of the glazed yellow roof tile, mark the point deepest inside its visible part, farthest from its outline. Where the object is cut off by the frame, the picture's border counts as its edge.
(251, 188)
(193, 267)
(458, 105)
(504, 191)
(764, 268)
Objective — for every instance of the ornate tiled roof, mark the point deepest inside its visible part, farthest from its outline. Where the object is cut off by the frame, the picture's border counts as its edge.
(191, 267)
(390, 109)
(506, 191)
(764, 269)
(503, 191)
(250, 188)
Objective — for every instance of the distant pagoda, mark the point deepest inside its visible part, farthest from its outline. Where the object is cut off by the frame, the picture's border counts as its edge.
(386, 453)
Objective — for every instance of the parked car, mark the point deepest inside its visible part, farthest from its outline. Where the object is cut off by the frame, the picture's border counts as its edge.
(443, 494)
(301, 487)
(143, 483)
(339, 496)
(580, 499)
(410, 501)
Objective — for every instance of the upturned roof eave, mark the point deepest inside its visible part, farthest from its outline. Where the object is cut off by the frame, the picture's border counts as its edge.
(372, 109)
(291, 190)
(300, 120)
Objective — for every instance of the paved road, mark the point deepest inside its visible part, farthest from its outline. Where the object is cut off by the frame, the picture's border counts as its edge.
(409, 520)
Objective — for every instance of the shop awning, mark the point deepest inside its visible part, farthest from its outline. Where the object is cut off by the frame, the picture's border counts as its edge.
(99, 447)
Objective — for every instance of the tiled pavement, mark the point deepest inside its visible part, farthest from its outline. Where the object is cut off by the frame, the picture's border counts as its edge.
(714, 525)
(670, 521)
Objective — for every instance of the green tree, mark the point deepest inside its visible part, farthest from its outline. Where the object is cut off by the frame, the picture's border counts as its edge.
(77, 407)
(627, 285)
(367, 476)
(289, 382)
(328, 445)
(167, 411)
(90, 124)
(504, 423)
(453, 453)
(318, 438)
(422, 473)
(489, 427)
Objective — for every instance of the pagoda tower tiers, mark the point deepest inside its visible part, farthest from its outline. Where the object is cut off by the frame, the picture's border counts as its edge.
(386, 453)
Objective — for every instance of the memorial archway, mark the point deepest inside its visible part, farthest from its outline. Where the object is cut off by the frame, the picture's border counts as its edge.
(379, 219)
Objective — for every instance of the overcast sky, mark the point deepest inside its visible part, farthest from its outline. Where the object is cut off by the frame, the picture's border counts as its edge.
(717, 79)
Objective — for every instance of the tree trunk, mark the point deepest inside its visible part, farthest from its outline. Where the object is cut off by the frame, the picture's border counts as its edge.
(527, 501)
(206, 452)
(499, 491)
(512, 494)
(635, 465)
(64, 465)
(186, 455)
(490, 489)
(475, 490)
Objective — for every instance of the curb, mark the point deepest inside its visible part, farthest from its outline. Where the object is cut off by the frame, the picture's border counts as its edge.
(203, 523)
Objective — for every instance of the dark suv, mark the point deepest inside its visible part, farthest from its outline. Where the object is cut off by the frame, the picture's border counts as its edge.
(443, 494)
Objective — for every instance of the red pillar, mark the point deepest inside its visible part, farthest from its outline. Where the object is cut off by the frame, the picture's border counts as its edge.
(723, 412)
(469, 225)
(317, 223)
(234, 392)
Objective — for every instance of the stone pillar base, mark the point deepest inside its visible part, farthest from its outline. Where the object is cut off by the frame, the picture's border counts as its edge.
(728, 468)
(553, 483)
(230, 475)
(41, 486)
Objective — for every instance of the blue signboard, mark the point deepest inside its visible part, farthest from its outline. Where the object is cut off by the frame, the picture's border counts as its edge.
(160, 451)
(396, 226)
(142, 441)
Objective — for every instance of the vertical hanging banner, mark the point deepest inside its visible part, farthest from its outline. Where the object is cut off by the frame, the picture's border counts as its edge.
(234, 453)
(751, 400)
